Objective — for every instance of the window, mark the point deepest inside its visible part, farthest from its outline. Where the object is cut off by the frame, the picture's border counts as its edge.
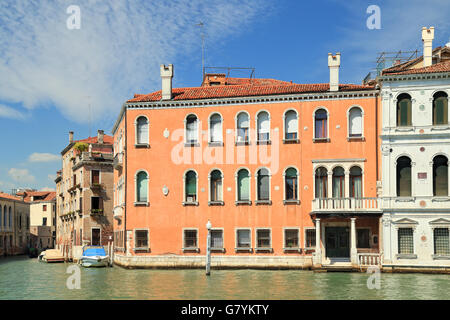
(310, 238)
(44, 221)
(10, 217)
(320, 122)
(291, 187)
(338, 182)
(44, 207)
(440, 176)
(95, 176)
(243, 188)
(404, 177)
(243, 238)
(215, 127)
(141, 187)
(405, 241)
(191, 186)
(142, 130)
(290, 125)
(5, 212)
(216, 185)
(291, 238)
(190, 238)
(95, 237)
(440, 108)
(441, 241)
(321, 182)
(243, 126)
(355, 182)
(263, 188)
(355, 122)
(263, 238)
(141, 239)
(263, 126)
(404, 110)
(216, 239)
(363, 238)
(96, 203)
(1, 217)
(191, 129)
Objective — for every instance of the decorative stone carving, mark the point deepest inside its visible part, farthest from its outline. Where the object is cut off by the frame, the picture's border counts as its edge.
(166, 133)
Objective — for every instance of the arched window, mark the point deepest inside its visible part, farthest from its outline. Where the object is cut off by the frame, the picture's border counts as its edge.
(291, 185)
(1, 217)
(215, 128)
(141, 187)
(191, 186)
(440, 176)
(290, 125)
(243, 187)
(10, 217)
(263, 126)
(320, 122)
(142, 130)
(5, 216)
(321, 182)
(355, 122)
(404, 177)
(191, 129)
(243, 127)
(440, 108)
(216, 185)
(355, 182)
(404, 110)
(263, 182)
(338, 182)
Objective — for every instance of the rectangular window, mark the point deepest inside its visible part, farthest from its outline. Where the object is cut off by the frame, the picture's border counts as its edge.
(310, 238)
(141, 239)
(291, 188)
(243, 238)
(405, 241)
(441, 241)
(44, 207)
(263, 238)
(363, 238)
(242, 135)
(263, 187)
(291, 135)
(190, 239)
(96, 203)
(95, 176)
(95, 241)
(291, 238)
(216, 239)
(44, 221)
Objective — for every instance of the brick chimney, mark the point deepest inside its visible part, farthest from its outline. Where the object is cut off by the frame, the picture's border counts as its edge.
(334, 62)
(100, 135)
(427, 38)
(70, 137)
(166, 79)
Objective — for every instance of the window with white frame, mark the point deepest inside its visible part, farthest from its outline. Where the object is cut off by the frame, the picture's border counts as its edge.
(404, 185)
(216, 239)
(310, 238)
(190, 239)
(216, 185)
(243, 127)
(290, 125)
(355, 122)
(291, 238)
(141, 186)
(263, 122)
(405, 241)
(141, 240)
(291, 185)
(191, 186)
(243, 185)
(440, 108)
(440, 176)
(142, 130)
(321, 124)
(263, 187)
(321, 182)
(263, 239)
(441, 241)
(243, 238)
(215, 127)
(191, 129)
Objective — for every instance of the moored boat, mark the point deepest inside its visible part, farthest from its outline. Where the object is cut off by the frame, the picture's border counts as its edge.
(94, 256)
(51, 255)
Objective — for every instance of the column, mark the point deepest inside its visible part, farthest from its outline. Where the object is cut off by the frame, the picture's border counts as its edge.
(353, 251)
(330, 184)
(318, 252)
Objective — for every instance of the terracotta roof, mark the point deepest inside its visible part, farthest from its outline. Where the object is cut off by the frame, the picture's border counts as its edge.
(443, 66)
(224, 91)
(46, 196)
(255, 82)
(9, 197)
(106, 139)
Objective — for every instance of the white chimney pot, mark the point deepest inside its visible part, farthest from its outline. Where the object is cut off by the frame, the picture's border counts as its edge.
(334, 62)
(166, 79)
(427, 38)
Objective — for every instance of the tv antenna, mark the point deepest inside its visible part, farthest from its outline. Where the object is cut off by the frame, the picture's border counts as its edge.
(202, 34)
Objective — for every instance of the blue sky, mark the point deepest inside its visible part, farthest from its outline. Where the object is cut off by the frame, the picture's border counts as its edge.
(49, 74)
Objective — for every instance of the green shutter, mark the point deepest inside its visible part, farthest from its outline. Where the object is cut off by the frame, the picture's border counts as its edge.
(404, 112)
(244, 185)
(191, 183)
(440, 111)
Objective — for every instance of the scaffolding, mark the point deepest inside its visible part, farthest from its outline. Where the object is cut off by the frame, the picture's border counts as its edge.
(245, 72)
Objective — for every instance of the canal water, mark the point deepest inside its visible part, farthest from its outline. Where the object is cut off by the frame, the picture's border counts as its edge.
(24, 278)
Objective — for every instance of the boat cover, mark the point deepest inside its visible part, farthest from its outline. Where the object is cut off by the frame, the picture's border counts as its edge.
(94, 251)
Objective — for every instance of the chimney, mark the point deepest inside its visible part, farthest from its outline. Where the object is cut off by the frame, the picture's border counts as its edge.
(166, 77)
(70, 137)
(427, 38)
(100, 134)
(333, 64)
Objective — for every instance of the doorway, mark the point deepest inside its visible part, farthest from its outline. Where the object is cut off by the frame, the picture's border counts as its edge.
(337, 242)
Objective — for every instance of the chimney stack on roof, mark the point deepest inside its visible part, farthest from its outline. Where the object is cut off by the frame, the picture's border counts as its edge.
(70, 137)
(166, 79)
(427, 38)
(100, 135)
(334, 62)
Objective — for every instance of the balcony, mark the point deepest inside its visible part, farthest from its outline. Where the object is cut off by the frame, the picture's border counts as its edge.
(97, 187)
(74, 188)
(96, 212)
(118, 161)
(350, 205)
(118, 212)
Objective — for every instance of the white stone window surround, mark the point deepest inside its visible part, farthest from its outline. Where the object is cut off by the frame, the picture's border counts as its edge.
(413, 105)
(237, 248)
(362, 122)
(221, 202)
(297, 200)
(261, 249)
(298, 248)
(136, 143)
(147, 248)
(258, 128)
(100, 234)
(327, 138)
(236, 118)
(196, 249)
(413, 180)
(404, 223)
(346, 164)
(184, 187)
(256, 187)
(285, 124)
(223, 240)
(220, 142)
(236, 176)
(430, 169)
(136, 188)
(439, 223)
(198, 136)
(305, 229)
(431, 99)
(99, 175)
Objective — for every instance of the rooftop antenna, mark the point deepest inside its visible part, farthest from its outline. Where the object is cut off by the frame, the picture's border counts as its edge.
(201, 25)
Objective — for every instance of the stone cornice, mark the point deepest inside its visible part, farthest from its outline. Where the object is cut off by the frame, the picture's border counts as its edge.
(415, 76)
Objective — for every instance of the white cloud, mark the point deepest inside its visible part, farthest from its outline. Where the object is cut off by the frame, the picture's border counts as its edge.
(117, 51)
(9, 112)
(43, 157)
(22, 176)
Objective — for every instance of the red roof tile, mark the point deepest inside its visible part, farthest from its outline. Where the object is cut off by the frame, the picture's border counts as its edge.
(9, 197)
(46, 196)
(106, 139)
(435, 68)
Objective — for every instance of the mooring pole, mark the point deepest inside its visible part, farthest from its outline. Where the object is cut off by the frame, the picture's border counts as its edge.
(208, 249)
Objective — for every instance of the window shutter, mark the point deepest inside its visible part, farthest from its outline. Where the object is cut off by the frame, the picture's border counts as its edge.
(291, 122)
(142, 130)
(355, 122)
(263, 122)
(242, 121)
(244, 185)
(142, 187)
(216, 128)
(191, 183)
(263, 185)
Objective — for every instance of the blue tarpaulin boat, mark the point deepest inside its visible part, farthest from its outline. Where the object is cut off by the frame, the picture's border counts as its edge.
(94, 256)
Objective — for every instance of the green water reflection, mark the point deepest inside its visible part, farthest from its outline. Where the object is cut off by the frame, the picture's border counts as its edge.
(23, 278)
